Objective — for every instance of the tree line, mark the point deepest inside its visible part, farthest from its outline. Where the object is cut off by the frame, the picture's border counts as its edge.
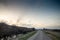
(56, 30)
(10, 30)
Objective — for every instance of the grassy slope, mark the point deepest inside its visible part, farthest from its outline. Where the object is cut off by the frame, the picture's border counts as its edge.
(26, 36)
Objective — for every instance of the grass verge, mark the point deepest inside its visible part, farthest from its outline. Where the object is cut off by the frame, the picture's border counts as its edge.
(26, 36)
(53, 36)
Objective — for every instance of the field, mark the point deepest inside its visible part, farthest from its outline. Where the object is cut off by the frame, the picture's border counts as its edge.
(55, 35)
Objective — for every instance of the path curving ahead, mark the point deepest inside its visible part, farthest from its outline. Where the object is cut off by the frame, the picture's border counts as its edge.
(40, 35)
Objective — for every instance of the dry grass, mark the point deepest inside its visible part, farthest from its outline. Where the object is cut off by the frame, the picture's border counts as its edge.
(53, 35)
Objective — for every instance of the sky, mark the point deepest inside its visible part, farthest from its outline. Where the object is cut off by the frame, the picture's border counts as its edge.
(31, 13)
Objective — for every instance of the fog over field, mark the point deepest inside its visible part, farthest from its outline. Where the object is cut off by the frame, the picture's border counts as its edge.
(31, 13)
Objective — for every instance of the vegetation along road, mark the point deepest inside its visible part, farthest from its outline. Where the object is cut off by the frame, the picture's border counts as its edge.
(40, 35)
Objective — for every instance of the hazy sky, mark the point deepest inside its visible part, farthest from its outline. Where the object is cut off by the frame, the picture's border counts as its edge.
(38, 13)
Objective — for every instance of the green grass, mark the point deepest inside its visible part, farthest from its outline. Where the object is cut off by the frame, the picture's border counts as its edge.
(53, 36)
(26, 36)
